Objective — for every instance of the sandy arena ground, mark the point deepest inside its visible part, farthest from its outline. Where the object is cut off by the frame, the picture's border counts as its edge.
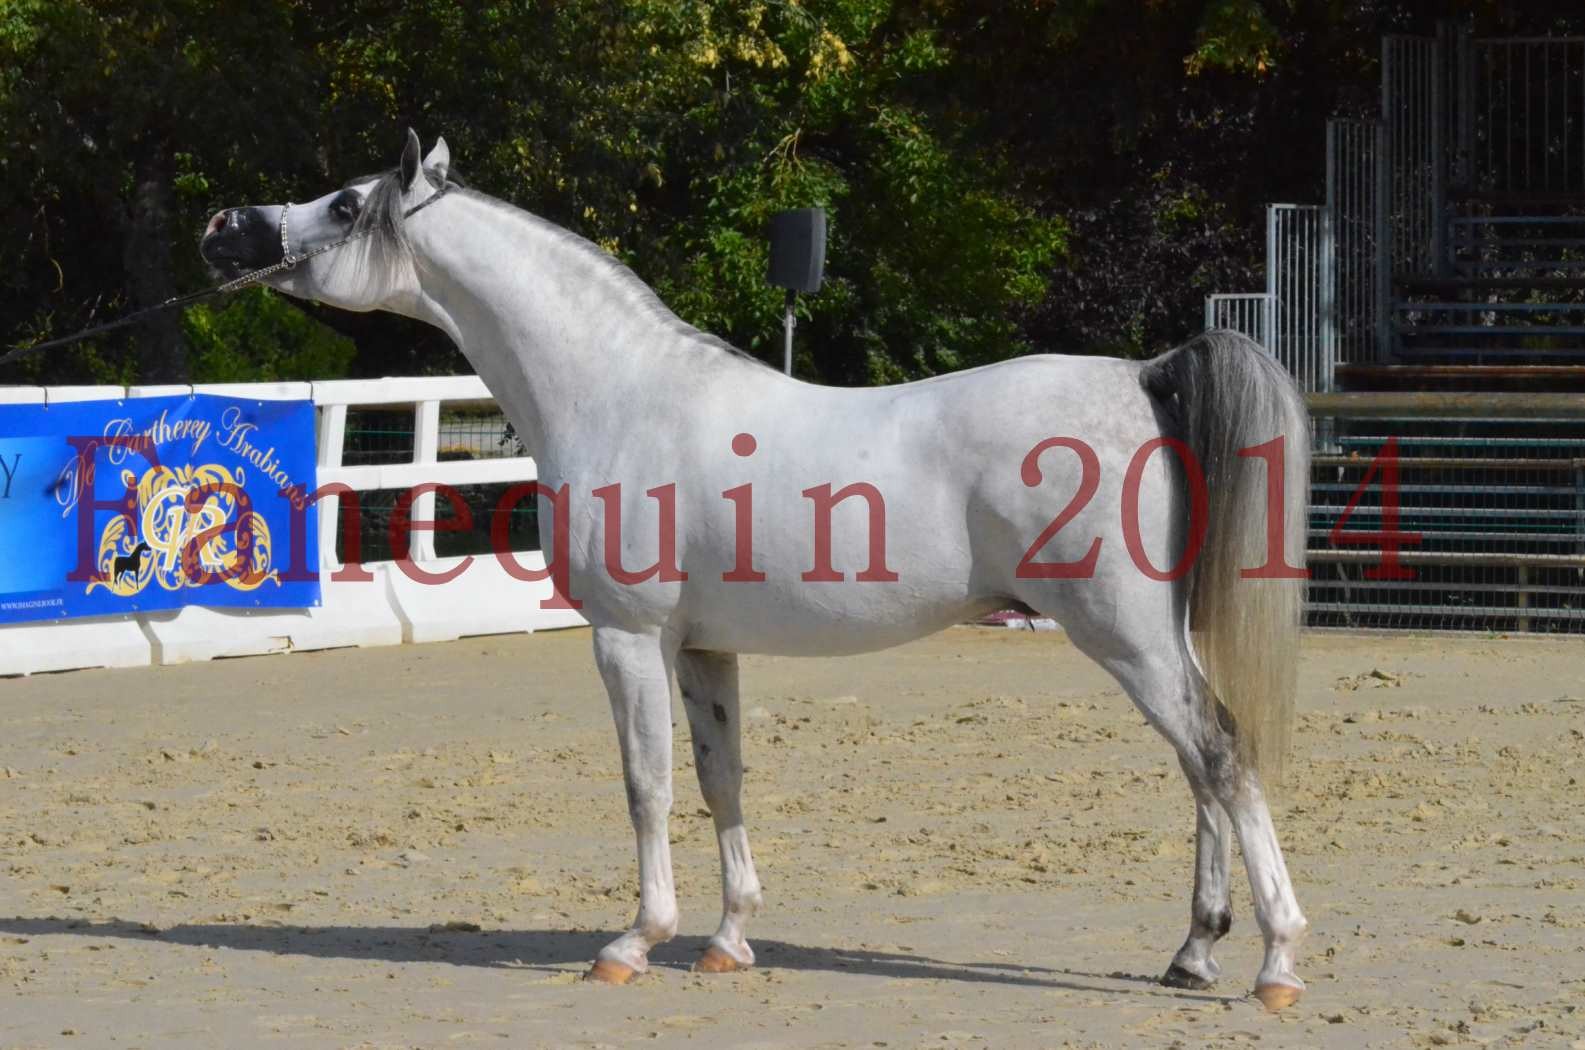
(972, 841)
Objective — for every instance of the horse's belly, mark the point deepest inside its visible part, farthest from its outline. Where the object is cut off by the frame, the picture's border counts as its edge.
(824, 619)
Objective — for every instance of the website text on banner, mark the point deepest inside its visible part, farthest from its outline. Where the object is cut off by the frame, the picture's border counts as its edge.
(154, 503)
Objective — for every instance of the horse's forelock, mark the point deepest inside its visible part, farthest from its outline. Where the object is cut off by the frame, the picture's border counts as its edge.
(381, 248)
(380, 220)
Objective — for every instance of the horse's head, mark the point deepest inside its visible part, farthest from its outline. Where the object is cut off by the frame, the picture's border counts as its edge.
(367, 264)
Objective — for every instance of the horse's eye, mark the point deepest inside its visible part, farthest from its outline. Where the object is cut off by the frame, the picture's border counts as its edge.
(345, 207)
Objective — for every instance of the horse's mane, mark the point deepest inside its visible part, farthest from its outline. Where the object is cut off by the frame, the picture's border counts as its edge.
(381, 226)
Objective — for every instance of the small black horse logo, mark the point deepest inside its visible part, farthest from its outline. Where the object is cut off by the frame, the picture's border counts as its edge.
(129, 563)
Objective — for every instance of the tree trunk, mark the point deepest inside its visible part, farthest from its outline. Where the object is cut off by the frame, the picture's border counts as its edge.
(162, 351)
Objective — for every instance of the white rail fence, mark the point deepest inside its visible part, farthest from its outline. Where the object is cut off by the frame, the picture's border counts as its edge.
(388, 609)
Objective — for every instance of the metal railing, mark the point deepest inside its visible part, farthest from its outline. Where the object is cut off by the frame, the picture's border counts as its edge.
(1532, 246)
(1411, 169)
(1522, 121)
(1248, 313)
(1300, 278)
(1449, 512)
(1353, 197)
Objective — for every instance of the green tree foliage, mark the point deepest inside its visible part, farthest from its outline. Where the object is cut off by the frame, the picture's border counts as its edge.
(1001, 177)
(669, 131)
(261, 335)
(121, 117)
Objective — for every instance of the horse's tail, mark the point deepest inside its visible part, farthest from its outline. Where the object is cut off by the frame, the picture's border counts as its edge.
(1227, 395)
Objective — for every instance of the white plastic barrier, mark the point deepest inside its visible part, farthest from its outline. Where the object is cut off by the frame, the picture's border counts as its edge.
(388, 609)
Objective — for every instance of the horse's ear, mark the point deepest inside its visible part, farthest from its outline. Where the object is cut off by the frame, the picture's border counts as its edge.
(410, 154)
(439, 160)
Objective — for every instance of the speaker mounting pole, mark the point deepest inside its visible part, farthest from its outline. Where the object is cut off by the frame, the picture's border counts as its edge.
(797, 263)
(788, 324)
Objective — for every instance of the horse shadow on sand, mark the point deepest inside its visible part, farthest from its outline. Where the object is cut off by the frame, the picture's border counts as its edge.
(563, 950)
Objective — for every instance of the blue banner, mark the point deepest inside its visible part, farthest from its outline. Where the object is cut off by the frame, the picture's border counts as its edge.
(154, 503)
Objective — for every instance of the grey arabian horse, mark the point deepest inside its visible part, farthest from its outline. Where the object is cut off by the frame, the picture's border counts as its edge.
(700, 505)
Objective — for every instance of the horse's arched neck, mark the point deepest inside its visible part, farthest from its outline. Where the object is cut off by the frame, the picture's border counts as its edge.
(546, 324)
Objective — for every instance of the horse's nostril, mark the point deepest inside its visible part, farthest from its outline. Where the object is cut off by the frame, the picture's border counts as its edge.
(216, 224)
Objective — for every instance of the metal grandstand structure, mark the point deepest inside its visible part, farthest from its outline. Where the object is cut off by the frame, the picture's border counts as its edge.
(1434, 309)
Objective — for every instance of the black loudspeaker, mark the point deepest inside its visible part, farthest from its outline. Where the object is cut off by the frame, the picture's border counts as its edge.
(798, 249)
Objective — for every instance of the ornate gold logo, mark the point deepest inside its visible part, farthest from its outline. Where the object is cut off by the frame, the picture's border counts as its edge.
(196, 526)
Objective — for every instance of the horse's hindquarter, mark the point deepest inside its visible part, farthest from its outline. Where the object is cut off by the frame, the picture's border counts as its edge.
(940, 461)
(1067, 456)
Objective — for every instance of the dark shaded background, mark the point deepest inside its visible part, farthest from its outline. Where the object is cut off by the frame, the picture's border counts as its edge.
(1002, 177)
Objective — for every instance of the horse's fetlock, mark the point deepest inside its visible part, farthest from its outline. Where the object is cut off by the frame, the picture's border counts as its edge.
(658, 927)
(748, 902)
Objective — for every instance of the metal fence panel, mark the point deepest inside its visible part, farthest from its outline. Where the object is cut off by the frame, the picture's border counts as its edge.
(1525, 127)
(1301, 280)
(1413, 81)
(1252, 314)
(1491, 515)
(1352, 147)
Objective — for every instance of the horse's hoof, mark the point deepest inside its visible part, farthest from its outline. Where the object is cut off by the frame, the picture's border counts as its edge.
(1177, 977)
(609, 971)
(716, 960)
(1276, 997)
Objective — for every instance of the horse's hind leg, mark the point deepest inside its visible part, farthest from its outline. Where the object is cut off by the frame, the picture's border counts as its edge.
(1188, 716)
(709, 683)
(1210, 912)
(1169, 690)
(1282, 925)
(637, 674)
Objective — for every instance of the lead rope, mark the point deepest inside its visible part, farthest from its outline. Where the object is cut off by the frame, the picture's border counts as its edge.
(288, 261)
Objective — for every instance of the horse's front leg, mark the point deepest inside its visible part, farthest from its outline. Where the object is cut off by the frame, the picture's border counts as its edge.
(637, 673)
(709, 683)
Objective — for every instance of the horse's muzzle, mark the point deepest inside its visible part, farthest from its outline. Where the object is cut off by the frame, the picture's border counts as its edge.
(238, 240)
